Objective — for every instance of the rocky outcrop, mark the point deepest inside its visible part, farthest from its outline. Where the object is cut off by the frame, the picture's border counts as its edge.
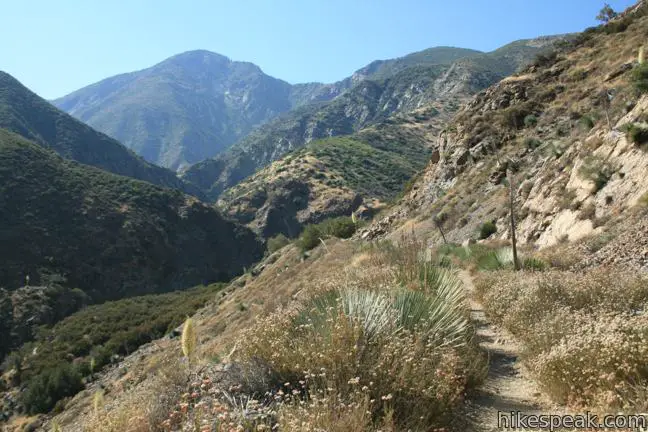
(573, 171)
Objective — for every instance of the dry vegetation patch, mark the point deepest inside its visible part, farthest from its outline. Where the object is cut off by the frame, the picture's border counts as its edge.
(585, 335)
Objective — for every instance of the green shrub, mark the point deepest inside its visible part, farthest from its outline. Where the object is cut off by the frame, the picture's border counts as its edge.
(487, 229)
(532, 143)
(586, 122)
(340, 227)
(44, 391)
(597, 171)
(310, 237)
(639, 77)
(530, 120)
(277, 242)
(534, 264)
(617, 26)
(495, 259)
(636, 133)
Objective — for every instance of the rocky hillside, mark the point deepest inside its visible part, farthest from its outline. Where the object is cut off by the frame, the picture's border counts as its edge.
(572, 130)
(73, 226)
(27, 114)
(438, 77)
(333, 177)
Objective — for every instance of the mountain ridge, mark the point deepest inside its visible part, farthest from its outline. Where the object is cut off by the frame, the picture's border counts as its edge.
(193, 105)
(29, 115)
(444, 85)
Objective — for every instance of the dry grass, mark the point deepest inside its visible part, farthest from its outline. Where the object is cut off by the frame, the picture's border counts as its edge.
(351, 362)
(585, 335)
(146, 408)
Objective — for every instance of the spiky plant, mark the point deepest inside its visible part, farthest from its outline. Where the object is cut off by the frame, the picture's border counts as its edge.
(55, 426)
(189, 339)
(437, 311)
(505, 256)
(440, 319)
(372, 309)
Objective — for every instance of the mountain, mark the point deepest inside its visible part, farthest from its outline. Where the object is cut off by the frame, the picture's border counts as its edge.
(194, 105)
(27, 114)
(184, 109)
(571, 134)
(109, 236)
(333, 177)
(440, 77)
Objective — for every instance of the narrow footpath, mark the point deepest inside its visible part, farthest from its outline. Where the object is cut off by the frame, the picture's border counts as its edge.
(508, 386)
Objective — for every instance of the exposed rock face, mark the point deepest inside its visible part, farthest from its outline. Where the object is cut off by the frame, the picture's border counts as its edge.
(548, 124)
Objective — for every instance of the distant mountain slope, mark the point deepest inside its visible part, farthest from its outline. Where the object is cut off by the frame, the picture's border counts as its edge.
(195, 105)
(110, 236)
(27, 114)
(414, 86)
(182, 110)
(332, 177)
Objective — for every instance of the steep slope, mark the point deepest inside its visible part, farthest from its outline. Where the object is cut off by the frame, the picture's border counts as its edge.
(26, 114)
(571, 127)
(108, 235)
(333, 177)
(412, 86)
(182, 110)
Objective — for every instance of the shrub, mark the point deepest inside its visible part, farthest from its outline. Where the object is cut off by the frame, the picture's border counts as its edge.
(277, 242)
(44, 391)
(310, 237)
(586, 122)
(495, 259)
(487, 229)
(545, 59)
(597, 171)
(533, 264)
(636, 133)
(532, 143)
(340, 227)
(530, 120)
(349, 345)
(617, 26)
(639, 77)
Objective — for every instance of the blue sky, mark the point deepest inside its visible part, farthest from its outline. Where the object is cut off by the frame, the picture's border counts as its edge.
(57, 46)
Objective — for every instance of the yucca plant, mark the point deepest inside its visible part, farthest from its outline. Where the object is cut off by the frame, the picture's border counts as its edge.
(497, 259)
(372, 310)
(440, 319)
(437, 310)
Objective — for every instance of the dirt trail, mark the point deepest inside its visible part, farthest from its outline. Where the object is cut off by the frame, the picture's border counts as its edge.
(507, 387)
